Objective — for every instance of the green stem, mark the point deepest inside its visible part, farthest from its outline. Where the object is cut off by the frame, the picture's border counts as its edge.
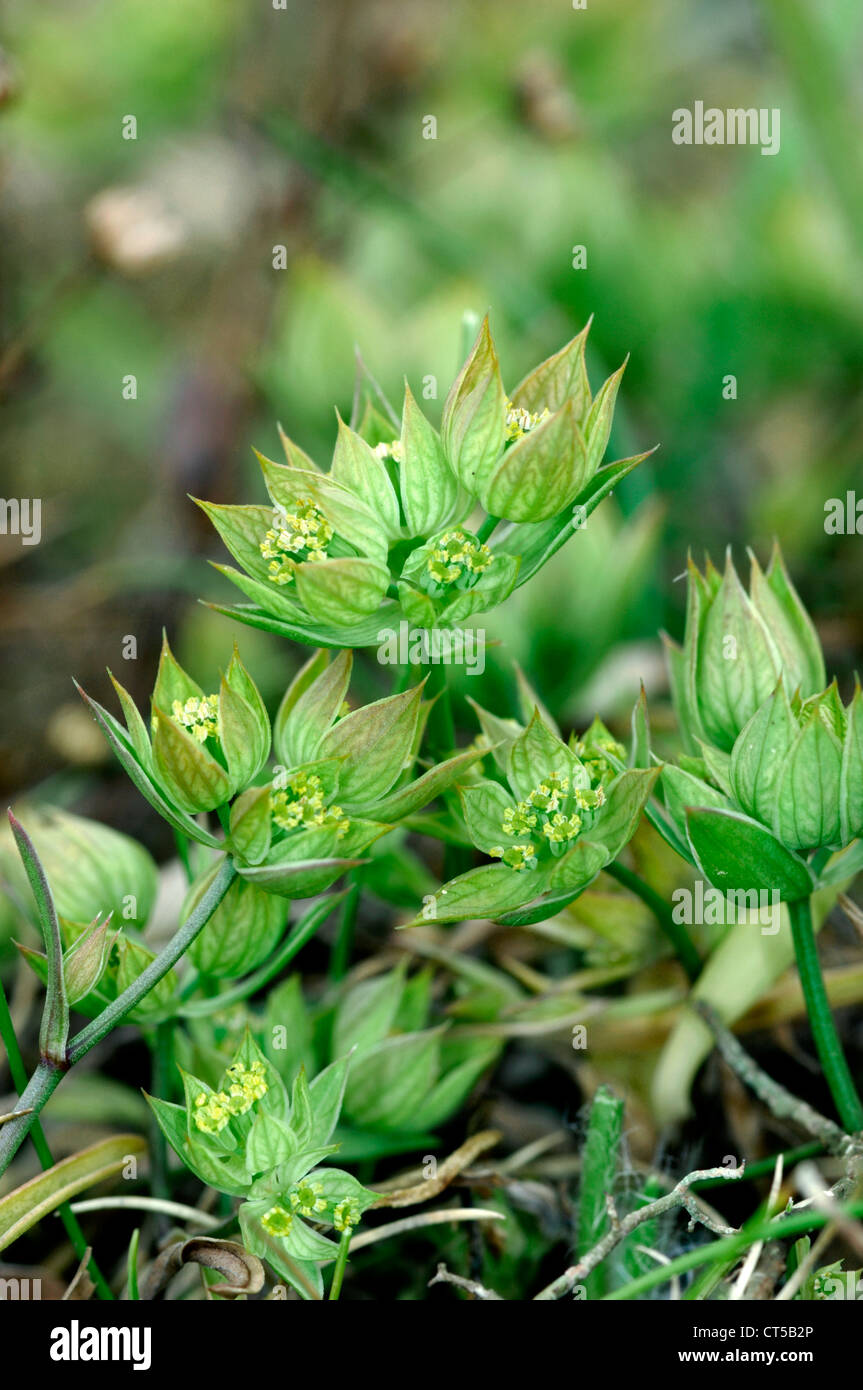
(48, 1075)
(598, 1172)
(341, 1262)
(343, 945)
(440, 733)
(675, 931)
(161, 1074)
(440, 730)
(487, 528)
(157, 969)
(183, 855)
(43, 1151)
(827, 1044)
(732, 1247)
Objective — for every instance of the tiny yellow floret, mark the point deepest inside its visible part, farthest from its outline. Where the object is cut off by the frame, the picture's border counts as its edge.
(294, 538)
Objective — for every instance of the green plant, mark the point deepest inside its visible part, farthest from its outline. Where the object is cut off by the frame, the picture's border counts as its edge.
(772, 803)
(249, 1139)
(279, 1072)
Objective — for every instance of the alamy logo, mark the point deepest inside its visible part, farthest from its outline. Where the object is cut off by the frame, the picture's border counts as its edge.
(20, 1289)
(736, 126)
(76, 1343)
(21, 516)
(708, 906)
(436, 646)
(844, 515)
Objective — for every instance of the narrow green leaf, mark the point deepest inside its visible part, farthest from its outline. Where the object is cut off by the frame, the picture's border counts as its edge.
(27, 1205)
(54, 1028)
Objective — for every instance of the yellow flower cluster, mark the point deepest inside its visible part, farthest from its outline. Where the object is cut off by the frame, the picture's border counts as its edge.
(456, 556)
(295, 537)
(307, 1200)
(277, 1221)
(245, 1086)
(199, 717)
(520, 421)
(590, 754)
(346, 1215)
(515, 856)
(541, 812)
(301, 805)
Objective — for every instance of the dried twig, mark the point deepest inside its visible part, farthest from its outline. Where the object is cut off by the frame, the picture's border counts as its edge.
(157, 1204)
(754, 1255)
(424, 1218)
(677, 1197)
(82, 1286)
(444, 1173)
(779, 1101)
(471, 1286)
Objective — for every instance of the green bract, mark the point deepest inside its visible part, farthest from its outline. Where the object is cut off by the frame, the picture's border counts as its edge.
(245, 928)
(249, 1139)
(406, 1078)
(562, 813)
(792, 785)
(92, 868)
(760, 803)
(736, 645)
(342, 779)
(340, 782)
(334, 557)
(98, 964)
(200, 749)
(528, 457)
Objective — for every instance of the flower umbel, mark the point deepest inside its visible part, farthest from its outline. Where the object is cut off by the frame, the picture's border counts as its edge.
(393, 451)
(592, 755)
(301, 805)
(458, 558)
(199, 717)
(294, 538)
(306, 1199)
(520, 421)
(245, 1086)
(277, 1221)
(346, 1215)
(550, 810)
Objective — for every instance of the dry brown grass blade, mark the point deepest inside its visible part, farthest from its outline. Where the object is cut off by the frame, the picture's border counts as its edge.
(451, 1167)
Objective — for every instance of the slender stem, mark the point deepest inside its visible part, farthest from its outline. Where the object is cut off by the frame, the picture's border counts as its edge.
(441, 726)
(183, 855)
(48, 1075)
(343, 944)
(341, 1262)
(31, 1101)
(441, 741)
(675, 931)
(487, 528)
(827, 1044)
(161, 1074)
(42, 1147)
(157, 969)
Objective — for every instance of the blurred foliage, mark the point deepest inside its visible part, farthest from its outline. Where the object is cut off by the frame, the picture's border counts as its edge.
(154, 257)
(303, 128)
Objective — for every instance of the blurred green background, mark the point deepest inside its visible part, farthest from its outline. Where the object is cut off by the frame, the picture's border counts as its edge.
(303, 127)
